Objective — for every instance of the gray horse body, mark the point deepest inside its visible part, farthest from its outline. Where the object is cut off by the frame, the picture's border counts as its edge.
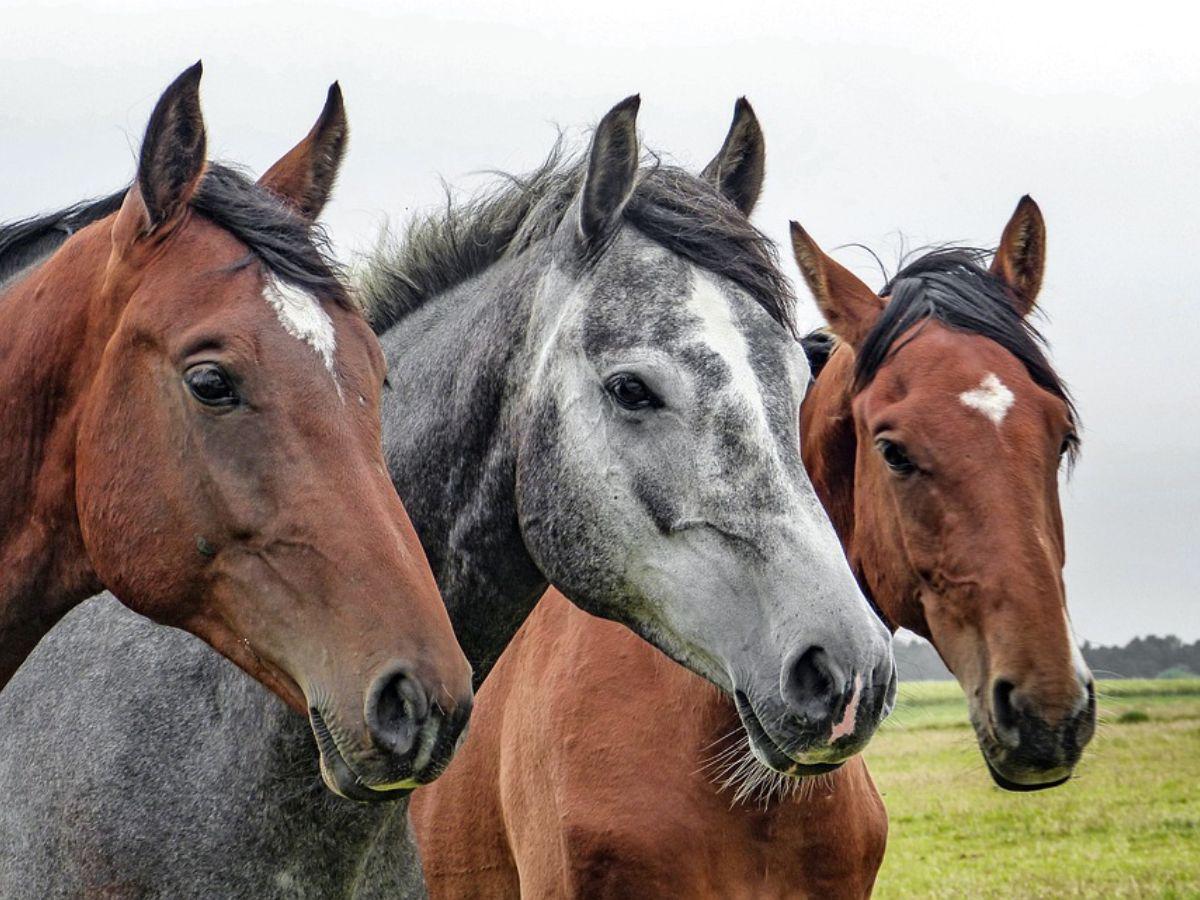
(139, 763)
(161, 770)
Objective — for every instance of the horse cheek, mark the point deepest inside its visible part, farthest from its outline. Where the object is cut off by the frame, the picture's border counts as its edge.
(126, 497)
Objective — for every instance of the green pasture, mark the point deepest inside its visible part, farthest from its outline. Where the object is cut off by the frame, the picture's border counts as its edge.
(1127, 825)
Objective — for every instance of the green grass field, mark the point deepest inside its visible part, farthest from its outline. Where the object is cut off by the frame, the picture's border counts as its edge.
(1127, 825)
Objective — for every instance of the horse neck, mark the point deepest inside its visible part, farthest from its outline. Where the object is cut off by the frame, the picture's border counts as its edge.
(19, 263)
(51, 341)
(450, 438)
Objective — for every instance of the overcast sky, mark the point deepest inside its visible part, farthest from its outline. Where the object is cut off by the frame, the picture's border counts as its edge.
(927, 119)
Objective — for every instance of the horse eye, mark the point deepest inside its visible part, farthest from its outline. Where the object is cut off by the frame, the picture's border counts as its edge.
(895, 457)
(631, 392)
(210, 385)
(1068, 442)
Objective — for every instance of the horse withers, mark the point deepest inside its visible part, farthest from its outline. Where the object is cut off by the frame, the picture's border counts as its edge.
(575, 785)
(191, 420)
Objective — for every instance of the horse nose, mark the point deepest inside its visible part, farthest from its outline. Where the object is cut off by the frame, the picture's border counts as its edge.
(396, 708)
(813, 685)
(1021, 726)
(1005, 713)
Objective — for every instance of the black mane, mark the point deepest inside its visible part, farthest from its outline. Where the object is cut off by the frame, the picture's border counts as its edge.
(290, 248)
(678, 210)
(27, 241)
(818, 347)
(952, 286)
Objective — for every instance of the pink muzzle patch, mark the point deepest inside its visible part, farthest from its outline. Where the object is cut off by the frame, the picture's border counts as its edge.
(846, 725)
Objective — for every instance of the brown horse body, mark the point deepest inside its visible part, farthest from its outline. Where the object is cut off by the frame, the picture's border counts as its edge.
(588, 773)
(571, 787)
(189, 417)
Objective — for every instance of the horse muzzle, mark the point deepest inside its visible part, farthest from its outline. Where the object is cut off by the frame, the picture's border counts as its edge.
(410, 739)
(1025, 752)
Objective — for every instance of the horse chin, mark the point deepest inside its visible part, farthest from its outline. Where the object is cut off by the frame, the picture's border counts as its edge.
(768, 752)
(341, 779)
(1029, 780)
(1009, 773)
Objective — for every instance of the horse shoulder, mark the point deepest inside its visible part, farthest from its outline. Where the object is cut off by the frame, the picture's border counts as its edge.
(617, 816)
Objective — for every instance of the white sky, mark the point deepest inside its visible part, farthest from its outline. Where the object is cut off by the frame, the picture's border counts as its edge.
(926, 118)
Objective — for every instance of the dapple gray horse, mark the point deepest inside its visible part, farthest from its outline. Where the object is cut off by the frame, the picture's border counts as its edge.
(594, 383)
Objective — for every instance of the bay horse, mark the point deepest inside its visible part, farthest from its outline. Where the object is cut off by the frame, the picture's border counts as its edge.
(190, 419)
(598, 315)
(934, 434)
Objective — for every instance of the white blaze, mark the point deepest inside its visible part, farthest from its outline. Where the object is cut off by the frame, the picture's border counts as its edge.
(991, 398)
(302, 316)
(710, 305)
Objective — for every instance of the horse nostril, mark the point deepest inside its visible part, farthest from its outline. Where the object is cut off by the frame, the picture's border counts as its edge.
(812, 685)
(1002, 704)
(396, 708)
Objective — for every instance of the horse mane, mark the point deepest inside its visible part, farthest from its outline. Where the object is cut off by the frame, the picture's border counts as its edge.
(678, 210)
(26, 241)
(951, 285)
(818, 347)
(289, 247)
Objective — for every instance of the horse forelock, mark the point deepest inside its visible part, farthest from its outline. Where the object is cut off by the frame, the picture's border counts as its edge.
(679, 211)
(950, 285)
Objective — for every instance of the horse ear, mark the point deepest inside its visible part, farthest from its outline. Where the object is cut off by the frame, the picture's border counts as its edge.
(611, 172)
(171, 161)
(849, 306)
(304, 177)
(738, 168)
(1021, 259)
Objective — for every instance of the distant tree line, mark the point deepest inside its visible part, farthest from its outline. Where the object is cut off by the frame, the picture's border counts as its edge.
(1143, 657)
(1148, 657)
